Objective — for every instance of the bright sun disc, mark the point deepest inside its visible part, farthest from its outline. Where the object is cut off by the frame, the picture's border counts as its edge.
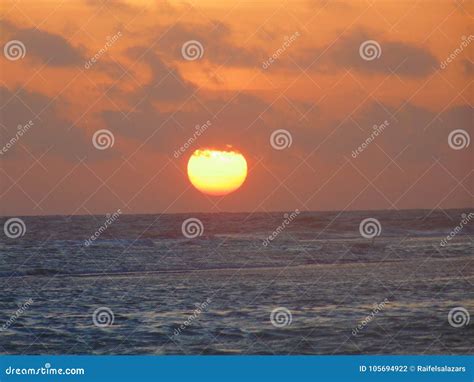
(217, 172)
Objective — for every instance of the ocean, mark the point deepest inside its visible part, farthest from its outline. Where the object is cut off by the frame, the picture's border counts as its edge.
(240, 283)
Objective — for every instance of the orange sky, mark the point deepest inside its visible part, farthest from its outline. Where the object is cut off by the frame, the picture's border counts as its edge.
(151, 98)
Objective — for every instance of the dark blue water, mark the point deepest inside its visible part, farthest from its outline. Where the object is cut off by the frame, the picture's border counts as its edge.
(215, 293)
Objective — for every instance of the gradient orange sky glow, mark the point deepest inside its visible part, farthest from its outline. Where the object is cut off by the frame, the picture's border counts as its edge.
(118, 66)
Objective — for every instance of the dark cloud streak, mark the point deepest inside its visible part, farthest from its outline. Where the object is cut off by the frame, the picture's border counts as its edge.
(49, 48)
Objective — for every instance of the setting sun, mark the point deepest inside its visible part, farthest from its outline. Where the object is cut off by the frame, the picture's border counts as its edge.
(216, 172)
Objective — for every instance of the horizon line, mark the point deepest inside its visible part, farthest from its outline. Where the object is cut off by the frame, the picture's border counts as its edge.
(246, 212)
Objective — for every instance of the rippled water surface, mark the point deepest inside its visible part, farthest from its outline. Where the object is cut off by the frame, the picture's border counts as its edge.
(156, 282)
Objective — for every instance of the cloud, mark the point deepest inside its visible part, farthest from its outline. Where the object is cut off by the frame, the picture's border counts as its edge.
(400, 58)
(468, 67)
(166, 83)
(420, 133)
(44, 46)
(234, 120)
(50, 131)
(106, 5)
(217, 40)
(123, 6)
